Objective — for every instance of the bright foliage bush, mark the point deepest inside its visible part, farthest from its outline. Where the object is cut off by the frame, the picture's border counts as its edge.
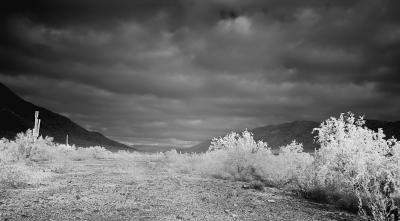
(360, 161)
(244, 159)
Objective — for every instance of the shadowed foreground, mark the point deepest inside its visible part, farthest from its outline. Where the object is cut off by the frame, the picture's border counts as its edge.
(147, 189)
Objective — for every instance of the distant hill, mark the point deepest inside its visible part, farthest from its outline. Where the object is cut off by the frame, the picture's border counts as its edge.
(17, 115)
(282, 134)
(154, 148)
(391, 129)
(276, 135)
(198, 148)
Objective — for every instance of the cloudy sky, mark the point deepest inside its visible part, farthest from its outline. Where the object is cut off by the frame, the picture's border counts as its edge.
(182, 71)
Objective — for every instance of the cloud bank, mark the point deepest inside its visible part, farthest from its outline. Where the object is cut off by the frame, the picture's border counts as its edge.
(178, 72)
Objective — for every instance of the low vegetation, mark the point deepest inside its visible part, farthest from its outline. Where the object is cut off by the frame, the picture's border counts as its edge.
(356, 169)
(27, 160)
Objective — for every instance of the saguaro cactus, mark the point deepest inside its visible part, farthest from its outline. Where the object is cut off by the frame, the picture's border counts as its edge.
(36, 128)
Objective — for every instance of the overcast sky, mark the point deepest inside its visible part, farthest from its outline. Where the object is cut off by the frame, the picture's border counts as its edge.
(182, 71)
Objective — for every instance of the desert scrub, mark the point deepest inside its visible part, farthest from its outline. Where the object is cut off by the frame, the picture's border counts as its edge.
(44, 149)
(356, 168)
(26, 160)
(357, 163)
(24, 148)
(80, 153)
(20, 174)
(285, 168)
(238, 156)
(13, 175)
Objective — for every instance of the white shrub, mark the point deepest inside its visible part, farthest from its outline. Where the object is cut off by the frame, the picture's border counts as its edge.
(238, 156)
(243, 142)
(355, 159)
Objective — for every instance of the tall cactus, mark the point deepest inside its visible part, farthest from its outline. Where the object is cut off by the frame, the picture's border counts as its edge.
(36, 128)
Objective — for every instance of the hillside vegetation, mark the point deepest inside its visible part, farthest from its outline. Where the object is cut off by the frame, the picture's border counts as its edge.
(16, 115)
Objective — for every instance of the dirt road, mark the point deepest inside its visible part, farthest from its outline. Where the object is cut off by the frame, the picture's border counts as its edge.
(147, 189)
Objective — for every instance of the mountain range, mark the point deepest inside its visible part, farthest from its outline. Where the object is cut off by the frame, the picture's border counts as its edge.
(17, 115)
(302, 131)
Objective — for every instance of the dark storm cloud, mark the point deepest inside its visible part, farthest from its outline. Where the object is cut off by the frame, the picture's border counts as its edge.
(94, 12)
(177, 71)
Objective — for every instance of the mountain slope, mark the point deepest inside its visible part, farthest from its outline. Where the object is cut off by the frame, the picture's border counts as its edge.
(282, 134)
(391, 129)
(275, 135)
(17, 115)
(198, 148)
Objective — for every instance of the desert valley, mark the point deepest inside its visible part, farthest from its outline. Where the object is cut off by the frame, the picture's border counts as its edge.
(275, 110)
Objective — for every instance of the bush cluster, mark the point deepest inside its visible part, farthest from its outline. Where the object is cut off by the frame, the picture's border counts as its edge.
(355, 168)
(356, 161)
(22, 159)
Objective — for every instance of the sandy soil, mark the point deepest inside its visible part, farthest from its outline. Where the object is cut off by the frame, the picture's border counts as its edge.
(147, 189)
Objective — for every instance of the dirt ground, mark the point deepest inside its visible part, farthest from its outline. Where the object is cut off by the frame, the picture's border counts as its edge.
(147, 189)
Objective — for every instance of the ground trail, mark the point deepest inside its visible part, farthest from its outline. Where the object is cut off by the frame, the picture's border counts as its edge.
(147, 189)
